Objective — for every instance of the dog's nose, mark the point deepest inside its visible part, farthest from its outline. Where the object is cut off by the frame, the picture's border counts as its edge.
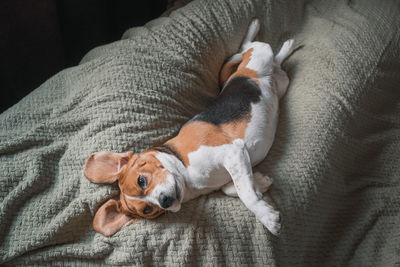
(165, 201)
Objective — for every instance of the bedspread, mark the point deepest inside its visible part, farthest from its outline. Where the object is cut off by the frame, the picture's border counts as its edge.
(335, 160)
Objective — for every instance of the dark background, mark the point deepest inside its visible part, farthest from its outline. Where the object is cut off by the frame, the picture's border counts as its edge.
(38, 38)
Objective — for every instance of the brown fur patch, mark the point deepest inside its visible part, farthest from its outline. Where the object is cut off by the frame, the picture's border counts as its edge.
(132, 207)
(243, 70)
(200, 133)
(227, 69)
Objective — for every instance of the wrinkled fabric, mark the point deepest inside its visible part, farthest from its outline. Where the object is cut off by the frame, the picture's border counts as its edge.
(335, 160)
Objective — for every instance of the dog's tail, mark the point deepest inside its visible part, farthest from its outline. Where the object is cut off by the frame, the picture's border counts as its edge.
(286, 50)
(252, 32)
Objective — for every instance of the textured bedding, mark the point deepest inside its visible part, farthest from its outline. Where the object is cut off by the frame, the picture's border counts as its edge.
(335, 160)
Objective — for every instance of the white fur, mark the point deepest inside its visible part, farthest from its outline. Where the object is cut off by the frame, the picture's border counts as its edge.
(261, 184)
(177, 172)
(145, 198)
(252, 32)
(286, 50)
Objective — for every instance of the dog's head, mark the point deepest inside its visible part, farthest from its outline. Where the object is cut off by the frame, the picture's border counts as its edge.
(147, 188)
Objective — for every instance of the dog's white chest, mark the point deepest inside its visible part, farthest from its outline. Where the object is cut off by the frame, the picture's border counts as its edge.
(206, 172)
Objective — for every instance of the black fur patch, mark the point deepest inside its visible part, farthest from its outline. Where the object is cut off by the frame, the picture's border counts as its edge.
(233, 103)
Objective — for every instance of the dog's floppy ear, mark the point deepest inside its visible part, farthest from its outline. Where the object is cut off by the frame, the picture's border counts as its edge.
(109, 219)
(104, 167)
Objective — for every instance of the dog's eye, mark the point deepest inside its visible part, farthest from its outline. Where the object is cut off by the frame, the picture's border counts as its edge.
(142, 181)
(148, 209)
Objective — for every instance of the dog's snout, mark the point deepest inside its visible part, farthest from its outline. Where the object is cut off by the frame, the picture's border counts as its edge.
(165, 201)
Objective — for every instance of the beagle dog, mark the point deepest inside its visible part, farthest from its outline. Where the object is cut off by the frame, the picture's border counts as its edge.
(216, 149)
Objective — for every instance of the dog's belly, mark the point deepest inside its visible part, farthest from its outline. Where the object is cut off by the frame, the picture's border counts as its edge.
(260, 131)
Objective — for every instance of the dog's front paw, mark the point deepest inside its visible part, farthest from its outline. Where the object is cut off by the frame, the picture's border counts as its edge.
(271, 220)
(262, 182)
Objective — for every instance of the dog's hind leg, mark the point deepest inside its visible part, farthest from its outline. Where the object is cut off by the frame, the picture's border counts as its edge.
(252, 32)
(232, 62)
(229, 67)
(286, 50)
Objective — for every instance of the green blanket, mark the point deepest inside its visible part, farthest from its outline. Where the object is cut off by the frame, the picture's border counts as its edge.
(335, 160)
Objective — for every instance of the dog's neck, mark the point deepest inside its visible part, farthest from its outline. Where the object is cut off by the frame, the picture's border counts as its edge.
(168, 149)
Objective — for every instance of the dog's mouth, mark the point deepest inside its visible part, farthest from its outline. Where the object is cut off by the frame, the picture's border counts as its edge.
(177, 192)
(176, 205)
